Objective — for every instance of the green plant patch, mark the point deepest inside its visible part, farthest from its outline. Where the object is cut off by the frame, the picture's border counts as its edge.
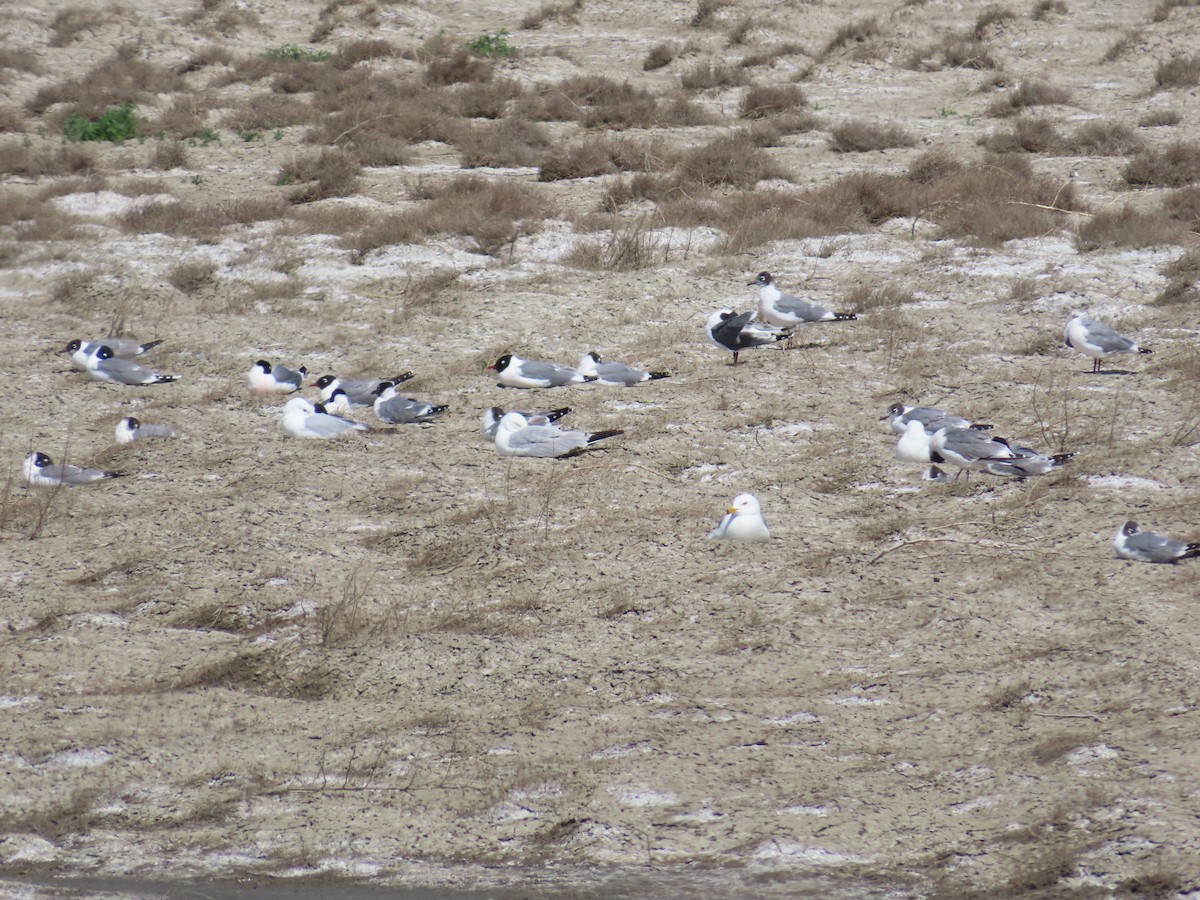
(116, 124)
(296, 53)
(493, 45)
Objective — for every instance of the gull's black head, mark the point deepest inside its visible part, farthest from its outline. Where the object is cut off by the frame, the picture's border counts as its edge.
(72, 346)
(728, 315)
(763, 278)
(324, 381)
(1130, 528)
(134, 424)
(41, 460)
(595, 356)
(265, 366)
(502, 362)
(378, 392)
(104, 352)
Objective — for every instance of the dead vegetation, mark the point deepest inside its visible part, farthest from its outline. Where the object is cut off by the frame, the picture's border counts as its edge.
(1028, 93)
(861, 136)
(1176, 165)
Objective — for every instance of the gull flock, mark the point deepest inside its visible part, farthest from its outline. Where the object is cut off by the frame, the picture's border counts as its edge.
(926, 435)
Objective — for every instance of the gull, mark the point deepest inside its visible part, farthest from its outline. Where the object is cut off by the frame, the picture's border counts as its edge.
(265, 378)
(360, 392)
(785, 311)
(913, 445)
(616, 373)
(130, 429)
(743, 521)
(105, 365)
(492, 417)
(122, 348)
(302, 419)
(392, 409)
(1096, 340)
(1146, 546)
(898, 416)
(339, 404)
(516, 436)
(735, 332)
(39, 470)
(1026, 462)
(526, 373)
(967, 448)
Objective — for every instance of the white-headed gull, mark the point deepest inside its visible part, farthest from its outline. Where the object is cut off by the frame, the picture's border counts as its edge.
(743, 521)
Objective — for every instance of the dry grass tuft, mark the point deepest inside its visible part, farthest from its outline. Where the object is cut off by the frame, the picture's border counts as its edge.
(1178, 72)
(39, 160)
(459, 67)
(324, 174)
(1043, 9)
(484, 100)
(19, 59)
(352, 53)
(859, 32)
(192, 277)
(1175, 165)
(660, 56)
(626, 248)
(121, 78)
(1160, 118)
(1183, 285)
(730, 160)
(70, 22)
(875, 297)
(168, 155)
(861, 136)
(509, 142)
(1183, 206)
(770, 55)
(1163, 11)
(199, 220)
(1129, 227)
(553, 12)
(599, 102)
(602, 155)
(708, 75)
(989, 19)
(769, 100)
(934, 165)
(1031, 135)
(493, 213)
(1030, 92)
(706, 12)
(268, 672)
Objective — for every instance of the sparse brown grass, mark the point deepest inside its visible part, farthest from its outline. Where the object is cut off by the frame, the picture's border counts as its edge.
(989, 19)
(1030, 92)
(459, 67)
(71, 21)
(768, 100)
(1162, 12)
(769, 56)
(599, 102)
(956, 51)
(731, 160)
(1178, 72)
(484, 100)
(185, 118)
(168, 155)
(708, 75)
(1128, 227)
(553, 12)
(1031, 135)
(1183, 206)
(863, 136)
(1183, 285)
(1160, 118)
(874, 297)
(852, 33)
(123, 77)
(192, 277)
(603, 155)
(199, 220)
(19, 59)
(625, 248)
(1122, 45)
(266, 112)
(492, 213)
(509, 142)
(323, 174)
(1103, 139)
(1043, 9)
(1175, 165)
(934, 165)
(706, 12)
(42, 159)
(660, 56)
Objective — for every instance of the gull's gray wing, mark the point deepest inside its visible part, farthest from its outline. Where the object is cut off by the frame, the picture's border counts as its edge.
(1156, 547)
(545, 440)
(801, 309)
(543, 371)
(325, 425)
(402, 410)
(1107, 340)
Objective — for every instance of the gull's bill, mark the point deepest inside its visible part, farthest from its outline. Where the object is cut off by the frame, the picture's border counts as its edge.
(735, 332)
(360, 392)
(1146, 546)
(39, 470)
(615, 373)
(268, 378)
(491, 418)
(743, 521)
(515, 436)
(122, 348)
(513, 371)
(302, 419)
(1097, 340)
(131, 429)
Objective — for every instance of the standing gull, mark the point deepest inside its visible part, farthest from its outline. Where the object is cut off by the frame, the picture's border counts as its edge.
(743, 521)
(785, 311)
(39, 470)
(1096, 340)
(968, 449)
(1146, 546)
(735, 332)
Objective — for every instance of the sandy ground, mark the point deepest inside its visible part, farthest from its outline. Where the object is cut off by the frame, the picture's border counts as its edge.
(404, 660)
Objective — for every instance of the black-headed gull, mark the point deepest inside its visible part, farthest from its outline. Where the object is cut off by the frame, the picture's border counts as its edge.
(785, 311)
(302, 419)
(105, 365)
(743, 521)
(265, 378)
(122, 348)
(1146, 546)
(515, 436)
(527, 373)
(360, 392)
(131, 429)
(735, 332)
(898, 416)
(39, 470)
(967, 448)
(616, 373)
(1096, 340)
(491, 418)
(393, 409)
